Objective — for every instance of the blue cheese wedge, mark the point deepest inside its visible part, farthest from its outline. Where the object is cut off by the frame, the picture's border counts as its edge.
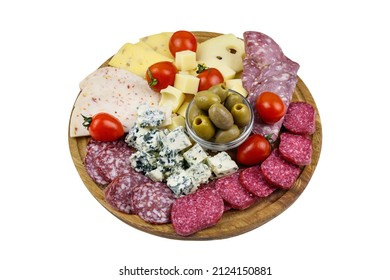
(221, 164)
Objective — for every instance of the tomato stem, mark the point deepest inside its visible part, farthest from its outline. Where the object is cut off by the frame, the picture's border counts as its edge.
(87, 121)
(153, 80)
(201, 68)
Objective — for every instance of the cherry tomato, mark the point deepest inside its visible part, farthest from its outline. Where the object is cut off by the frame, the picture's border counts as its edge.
(161, 75)
(208, 78)
(104, 127)
(270, 107)
(182, 41)
(254, 150)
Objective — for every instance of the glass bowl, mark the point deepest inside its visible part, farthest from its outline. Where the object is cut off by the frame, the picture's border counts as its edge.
(212, 146)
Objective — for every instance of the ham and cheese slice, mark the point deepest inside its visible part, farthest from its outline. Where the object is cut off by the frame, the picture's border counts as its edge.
(114, 91)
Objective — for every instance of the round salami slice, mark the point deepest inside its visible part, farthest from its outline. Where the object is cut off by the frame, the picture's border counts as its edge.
(94, 148)
(279, 172)
(118, 194)
(300, 118)
(296, 149)
(231, 190)
(152, 202)
(197, 211)
(253, 181)
(113, 161)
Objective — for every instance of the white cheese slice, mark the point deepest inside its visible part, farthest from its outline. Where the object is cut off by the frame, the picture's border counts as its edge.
(114, 91)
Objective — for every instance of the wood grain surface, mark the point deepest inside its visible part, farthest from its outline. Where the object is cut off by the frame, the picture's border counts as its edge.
(233, 222)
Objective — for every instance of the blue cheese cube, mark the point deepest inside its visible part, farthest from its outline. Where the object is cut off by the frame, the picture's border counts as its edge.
(150, 141)
(136, 132)
(221, 164)
(200, 174)
(149, 116)
(143, 162)
(177, 140)
(156, 175)
(180, 183)
(169, 159)
(195, 155)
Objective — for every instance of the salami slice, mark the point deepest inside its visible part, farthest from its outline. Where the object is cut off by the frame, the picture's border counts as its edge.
(300, 118)
(296, 149)
(266, 68)
(231, 190)
(253, 181)
(197, 211)
(279, 172)
(93, 150)
(152, 202)
(118, 194)
(113, 161)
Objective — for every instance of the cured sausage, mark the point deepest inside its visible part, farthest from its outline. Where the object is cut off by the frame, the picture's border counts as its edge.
(300, 118)
(266, 68)
(231, 190)
(197, 211)
(152, 202)
(118, 193)
(296, 149)
(279, 172)
(253, 181)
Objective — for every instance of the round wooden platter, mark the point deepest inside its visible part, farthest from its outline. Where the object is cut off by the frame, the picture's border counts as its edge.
(233, 222)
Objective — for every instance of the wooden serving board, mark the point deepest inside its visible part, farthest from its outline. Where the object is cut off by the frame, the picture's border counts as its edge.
(233, 222)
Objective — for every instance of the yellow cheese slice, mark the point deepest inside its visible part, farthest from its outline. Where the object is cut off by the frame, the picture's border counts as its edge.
(136, 58)
(159, 43)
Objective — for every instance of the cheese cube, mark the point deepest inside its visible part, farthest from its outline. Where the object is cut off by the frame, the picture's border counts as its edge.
(185, 60)
(227, 48)
(186, 83)
(227, 72)
(195, 155)
(177, 140)
(183, 109)
(176, 122)
(221, 164)
(236, 85)
(172, 97)
(159, 43)
(136, 58)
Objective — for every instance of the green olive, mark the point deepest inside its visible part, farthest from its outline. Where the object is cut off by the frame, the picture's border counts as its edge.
(194, 111)
(205, 98)
(220, 116)
(203, 127)
(224, 136)
(241, 114)
(221, 90)
(232, 99)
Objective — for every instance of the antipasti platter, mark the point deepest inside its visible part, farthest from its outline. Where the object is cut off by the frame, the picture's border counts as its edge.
(196, 135)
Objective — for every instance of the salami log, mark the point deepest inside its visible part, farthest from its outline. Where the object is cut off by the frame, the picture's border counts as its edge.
(197, 211)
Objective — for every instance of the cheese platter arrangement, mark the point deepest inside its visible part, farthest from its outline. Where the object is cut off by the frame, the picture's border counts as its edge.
(196, 135)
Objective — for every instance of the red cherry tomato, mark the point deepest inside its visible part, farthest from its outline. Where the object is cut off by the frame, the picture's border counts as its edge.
(104, 127)
(208, 78)
(182, 41)
(161, 75)
(270, 107)
(254, 150)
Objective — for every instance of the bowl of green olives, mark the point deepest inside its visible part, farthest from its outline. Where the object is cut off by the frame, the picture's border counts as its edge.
(219, 119)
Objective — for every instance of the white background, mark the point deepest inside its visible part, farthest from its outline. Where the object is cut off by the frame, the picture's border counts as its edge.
(52, 227)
